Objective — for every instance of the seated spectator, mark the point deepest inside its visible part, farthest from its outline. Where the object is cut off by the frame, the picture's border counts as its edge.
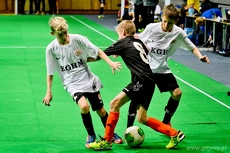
(213, 13)
(206, 5)
(193, 4)
(228, 14)
(128, 13)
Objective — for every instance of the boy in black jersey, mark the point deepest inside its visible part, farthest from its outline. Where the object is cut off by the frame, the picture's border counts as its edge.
(140, 90)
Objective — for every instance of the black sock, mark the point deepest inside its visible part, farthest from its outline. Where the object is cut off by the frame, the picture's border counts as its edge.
(104, 119)
(131, 115)
(88, 123)
(170, 109)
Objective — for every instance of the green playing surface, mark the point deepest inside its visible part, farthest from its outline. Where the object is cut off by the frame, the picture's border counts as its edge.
(27, 126)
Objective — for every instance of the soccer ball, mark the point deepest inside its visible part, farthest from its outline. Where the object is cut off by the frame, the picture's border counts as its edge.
(134, 136)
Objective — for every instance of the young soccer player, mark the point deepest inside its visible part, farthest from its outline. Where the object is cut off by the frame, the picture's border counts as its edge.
(163, 39)
(68, 54)
(139, 90)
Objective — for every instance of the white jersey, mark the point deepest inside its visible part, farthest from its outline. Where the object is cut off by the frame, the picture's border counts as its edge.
(70, 61)
(162, 45)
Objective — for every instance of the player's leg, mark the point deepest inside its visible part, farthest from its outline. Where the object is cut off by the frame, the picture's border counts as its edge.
(168, 83)
(115, 105)
(131, 114)
(146, 93)
(112, 120)
(80, 99)
(97, 105)
(175, 135)
(172, 105)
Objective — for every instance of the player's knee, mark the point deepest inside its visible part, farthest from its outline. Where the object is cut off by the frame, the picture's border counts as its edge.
(114, 105)
(85, 109)
(142, 119)
(177, 93)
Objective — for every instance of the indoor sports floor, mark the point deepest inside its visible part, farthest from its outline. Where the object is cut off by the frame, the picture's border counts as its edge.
(27, 126)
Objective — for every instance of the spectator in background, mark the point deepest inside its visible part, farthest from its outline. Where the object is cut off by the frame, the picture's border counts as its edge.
(228, 14)
(138, 13)
(157, 13)
(193, 4)
(206, 5)
(213, 13)
(39, 5)
(149, 8)
(191, 8)
(181, 20)
(53, 6)
(22, 6)
(101, 12)
(128, 13)
(32, 4)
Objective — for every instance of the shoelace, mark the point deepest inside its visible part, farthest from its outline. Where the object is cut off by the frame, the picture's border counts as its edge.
(102, 139)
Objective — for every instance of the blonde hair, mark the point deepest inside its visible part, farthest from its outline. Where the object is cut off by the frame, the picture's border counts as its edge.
(58, 24)
(171, 11)
(199, 20)
(128, 26)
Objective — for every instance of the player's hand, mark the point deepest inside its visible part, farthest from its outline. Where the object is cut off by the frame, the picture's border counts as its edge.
(116, 66)
(47, 99)
(205, 59)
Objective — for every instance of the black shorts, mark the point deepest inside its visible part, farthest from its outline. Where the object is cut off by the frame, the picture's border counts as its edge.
(94, 99)
(165, 82)
(102, 2)
(140, 93)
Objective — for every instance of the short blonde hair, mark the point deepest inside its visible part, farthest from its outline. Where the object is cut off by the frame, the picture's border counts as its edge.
(58, 24)
(128, 26)
(199, 20)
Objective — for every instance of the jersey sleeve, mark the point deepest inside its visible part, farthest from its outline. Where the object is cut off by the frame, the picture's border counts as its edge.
(90, 49)
(49, 61)
(149, 30)
(186, 44)
(114, 49)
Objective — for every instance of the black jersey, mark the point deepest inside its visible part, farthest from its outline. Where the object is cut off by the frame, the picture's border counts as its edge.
(134, 54)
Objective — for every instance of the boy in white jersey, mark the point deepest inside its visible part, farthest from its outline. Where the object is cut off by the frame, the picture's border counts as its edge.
(140, 89)
(68, 55)
(162, 40)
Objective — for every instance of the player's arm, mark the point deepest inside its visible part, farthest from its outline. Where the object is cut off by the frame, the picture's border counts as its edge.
(187, 44)
(202, 58)
(48, 97)
(113, 65)
(90, 59)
